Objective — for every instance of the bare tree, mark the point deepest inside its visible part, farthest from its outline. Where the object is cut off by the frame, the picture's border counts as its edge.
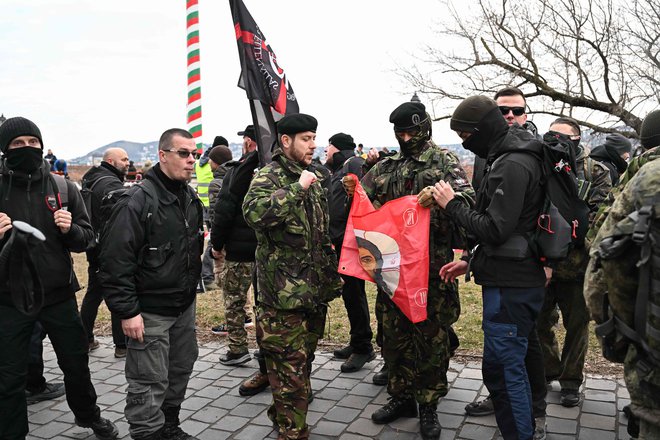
(592, 60)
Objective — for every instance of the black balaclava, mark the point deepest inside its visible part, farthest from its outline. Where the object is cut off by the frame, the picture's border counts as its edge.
(25, 159)
(488, 128)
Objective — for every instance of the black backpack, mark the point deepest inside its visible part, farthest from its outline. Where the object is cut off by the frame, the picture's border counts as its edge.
(87, 193)
(121, 196)
(564, 220)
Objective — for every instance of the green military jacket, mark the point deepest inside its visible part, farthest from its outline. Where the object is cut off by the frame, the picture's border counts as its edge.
(619, 277)
(296, 265)
(397, 176)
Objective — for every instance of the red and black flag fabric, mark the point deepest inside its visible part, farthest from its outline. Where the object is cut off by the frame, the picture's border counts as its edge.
(264, 81)
(390, 247)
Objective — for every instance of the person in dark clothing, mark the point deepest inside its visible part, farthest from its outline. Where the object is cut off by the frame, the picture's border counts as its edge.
(614, 154)
(512, 278)
(51, 158)
(102, 179)
(29, 193)
(341, 160)
(149, 276)
(219, 157)
(513, 106)
(232, 234)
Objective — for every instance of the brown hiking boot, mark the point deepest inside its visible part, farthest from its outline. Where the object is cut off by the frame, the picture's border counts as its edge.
(254, 384)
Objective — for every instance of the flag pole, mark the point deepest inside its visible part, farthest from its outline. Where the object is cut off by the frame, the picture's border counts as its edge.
(194, 73)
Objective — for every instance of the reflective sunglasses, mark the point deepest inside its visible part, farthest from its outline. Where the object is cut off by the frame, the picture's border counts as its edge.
(183, 154)
(517, 111)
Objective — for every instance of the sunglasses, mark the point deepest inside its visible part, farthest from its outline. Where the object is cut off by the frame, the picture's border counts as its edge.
(517, 111)
(183, 154)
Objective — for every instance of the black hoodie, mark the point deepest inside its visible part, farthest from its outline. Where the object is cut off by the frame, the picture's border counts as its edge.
(343, 162)
(32, 198)
(610, 157)
(508, 202)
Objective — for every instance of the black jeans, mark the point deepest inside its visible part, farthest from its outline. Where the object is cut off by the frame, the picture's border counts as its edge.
(62, 324)
(357, 308)
(90, 308)
(35, 377)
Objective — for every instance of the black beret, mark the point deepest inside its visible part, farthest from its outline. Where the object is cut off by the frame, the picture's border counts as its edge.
(15, 127)
(249, 132)
(408, 115)
(296, 123)
(470, 112)
(650, 132)
(219, 140)
(342, 141)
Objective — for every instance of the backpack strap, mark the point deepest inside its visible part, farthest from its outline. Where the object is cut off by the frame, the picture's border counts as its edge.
(62, 190)
(150, 207)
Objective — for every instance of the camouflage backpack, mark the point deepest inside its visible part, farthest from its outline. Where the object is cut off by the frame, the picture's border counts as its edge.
(635, 248)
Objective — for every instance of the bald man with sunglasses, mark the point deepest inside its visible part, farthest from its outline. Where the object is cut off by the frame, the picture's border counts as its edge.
(150, 266)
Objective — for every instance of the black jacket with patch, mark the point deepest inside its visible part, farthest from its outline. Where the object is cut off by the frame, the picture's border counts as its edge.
(33, 199)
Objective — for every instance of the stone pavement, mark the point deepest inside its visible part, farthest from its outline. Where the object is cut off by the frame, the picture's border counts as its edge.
(342, 406)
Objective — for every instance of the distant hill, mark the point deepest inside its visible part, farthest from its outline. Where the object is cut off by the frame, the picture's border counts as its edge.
(137, 152)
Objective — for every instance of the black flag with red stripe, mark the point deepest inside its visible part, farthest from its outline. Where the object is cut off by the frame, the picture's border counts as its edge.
(264, 81)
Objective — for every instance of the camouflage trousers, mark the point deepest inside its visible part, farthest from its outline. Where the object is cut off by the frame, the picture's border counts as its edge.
(644, 388)
(288, 340)
(567, 367)
(235, 286)
(418, 354)
(219, 268)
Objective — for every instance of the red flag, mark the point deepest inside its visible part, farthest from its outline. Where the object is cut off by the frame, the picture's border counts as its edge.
(264, 81)
(390, 247)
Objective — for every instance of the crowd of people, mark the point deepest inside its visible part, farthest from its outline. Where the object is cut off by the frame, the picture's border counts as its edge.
(277, 231)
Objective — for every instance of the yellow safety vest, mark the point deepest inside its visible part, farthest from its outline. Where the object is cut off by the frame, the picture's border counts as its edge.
(204, 176)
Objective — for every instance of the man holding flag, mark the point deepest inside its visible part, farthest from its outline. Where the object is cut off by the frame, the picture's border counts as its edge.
(418, 354)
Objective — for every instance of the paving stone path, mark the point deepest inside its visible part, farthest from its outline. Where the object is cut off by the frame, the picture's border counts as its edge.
(342, 406)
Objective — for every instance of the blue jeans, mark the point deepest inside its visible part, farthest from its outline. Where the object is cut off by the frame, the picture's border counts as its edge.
(509, 316)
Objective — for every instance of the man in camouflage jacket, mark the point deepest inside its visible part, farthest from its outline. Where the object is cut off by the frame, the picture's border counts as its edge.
(296, 268)
(418, 354)
(620, 280)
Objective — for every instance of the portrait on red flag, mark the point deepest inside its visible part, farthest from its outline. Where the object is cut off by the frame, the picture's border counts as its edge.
(390, 247)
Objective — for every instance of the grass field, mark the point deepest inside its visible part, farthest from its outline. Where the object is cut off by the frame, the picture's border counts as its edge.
(210, 311)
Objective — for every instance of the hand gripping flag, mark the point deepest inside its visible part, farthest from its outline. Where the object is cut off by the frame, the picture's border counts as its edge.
(267, 87)
(390, 247)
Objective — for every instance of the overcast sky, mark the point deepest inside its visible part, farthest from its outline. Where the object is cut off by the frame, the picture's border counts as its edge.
(91, 72)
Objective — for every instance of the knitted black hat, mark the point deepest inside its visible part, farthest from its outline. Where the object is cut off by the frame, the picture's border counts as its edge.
(469, 112)
(296, 123)
(342, 141)
(219, 140)
(220, 154)
(15, 127)
(650, 132)
(618, 142)
(408, 116)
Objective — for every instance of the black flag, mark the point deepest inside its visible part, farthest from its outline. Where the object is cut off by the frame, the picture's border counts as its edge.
(267, 87)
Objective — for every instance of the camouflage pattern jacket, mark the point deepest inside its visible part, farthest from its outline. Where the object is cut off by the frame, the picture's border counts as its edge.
(296, 265)
(619, 278)
(635, 164)
(597, 176)
(397, 176)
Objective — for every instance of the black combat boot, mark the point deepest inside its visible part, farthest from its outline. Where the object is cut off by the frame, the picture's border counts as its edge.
(171, 429)
(429, 426)
(403, 406)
